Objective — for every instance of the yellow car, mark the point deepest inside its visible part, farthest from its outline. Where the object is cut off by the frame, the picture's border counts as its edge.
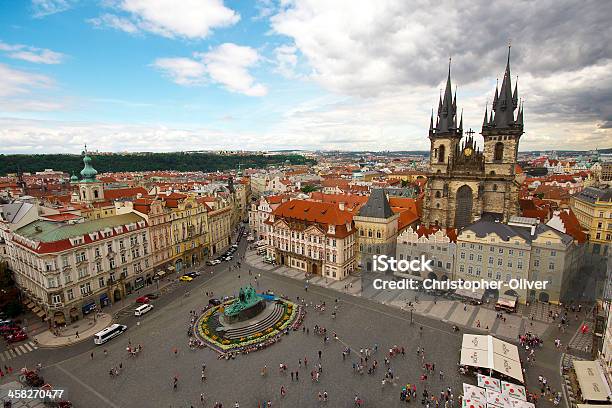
(186, 278)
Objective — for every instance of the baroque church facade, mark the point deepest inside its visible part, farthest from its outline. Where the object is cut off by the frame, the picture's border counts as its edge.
(466, 183)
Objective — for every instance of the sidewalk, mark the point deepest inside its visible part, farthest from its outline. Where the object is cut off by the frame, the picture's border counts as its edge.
(85, 328)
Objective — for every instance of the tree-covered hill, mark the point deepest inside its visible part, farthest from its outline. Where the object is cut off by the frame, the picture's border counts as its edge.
(207, 162)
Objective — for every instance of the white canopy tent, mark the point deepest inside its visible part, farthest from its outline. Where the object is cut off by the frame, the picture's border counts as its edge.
(489, 352)
(592, 381)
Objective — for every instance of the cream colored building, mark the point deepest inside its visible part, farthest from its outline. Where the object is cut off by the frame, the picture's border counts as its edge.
(260, 211)
(523, 249)
(593, 208)
(219, 225)
(434, 244)
(69, 270)
(377, 227)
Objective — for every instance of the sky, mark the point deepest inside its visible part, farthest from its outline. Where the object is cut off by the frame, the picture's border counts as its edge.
(166, 75)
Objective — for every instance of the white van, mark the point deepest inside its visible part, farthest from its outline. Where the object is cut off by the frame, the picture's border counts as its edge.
(108, 333)
(142, 309)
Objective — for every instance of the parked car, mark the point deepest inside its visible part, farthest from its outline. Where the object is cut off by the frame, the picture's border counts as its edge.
(228, 258)
(143, 299)
(186, 278)
(8, 330)
(193, 274)
(17, 336)
(214, 302)
(152, 295)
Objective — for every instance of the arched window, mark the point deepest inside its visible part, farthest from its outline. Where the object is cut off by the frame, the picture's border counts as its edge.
(441, 155)
(438, 194)
(378, 234)
(437, 205)
(499, 151)
(494, 187)
(492, 173)
(95, 193)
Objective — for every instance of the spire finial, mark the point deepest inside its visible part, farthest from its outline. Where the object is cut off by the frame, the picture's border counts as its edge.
(85, 148)
(509, 47)
(449, 65)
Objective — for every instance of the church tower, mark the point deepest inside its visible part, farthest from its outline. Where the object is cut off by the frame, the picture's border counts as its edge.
(502, 130)
(446, 133)
(466, 184)
(90, 188)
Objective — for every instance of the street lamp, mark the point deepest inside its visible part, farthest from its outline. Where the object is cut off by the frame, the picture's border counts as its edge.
(411, 306)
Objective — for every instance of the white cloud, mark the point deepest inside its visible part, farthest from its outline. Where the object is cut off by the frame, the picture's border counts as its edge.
(393, 51)
(227, 65)
(22, 91)
(46, 136)
(183, 71)
(186, 18)
(286, 60)
(43, 8)
(31, 54)
(113, 21)
(15, 82)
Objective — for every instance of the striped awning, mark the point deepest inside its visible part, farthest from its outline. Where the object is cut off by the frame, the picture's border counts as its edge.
(41, 313)
(36, 309)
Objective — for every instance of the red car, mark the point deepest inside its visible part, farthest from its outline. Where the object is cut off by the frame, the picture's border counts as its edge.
(143, 299)
(17, 336)
(8, 330)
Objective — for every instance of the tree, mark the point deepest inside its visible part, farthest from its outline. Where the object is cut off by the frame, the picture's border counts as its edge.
(309, 188)
(9, 294)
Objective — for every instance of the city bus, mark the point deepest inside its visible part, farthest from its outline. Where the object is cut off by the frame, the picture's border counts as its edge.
(111, 331)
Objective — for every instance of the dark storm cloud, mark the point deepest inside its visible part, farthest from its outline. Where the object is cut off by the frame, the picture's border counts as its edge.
(384, 47)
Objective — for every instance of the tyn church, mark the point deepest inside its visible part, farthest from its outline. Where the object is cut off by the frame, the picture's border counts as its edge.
(466, 183)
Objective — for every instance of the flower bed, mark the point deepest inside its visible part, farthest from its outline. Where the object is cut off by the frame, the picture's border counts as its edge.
(290, 319)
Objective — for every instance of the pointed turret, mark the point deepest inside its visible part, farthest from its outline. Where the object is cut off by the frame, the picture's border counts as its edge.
(461, 122)
(504, 110)
(485, 120)
(515, 94)
(496, 97)
(446, 120)
(431, 123)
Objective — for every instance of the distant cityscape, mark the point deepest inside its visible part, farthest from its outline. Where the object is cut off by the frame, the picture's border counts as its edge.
(321, 204)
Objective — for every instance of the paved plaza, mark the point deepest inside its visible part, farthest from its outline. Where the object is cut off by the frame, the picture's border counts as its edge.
(365, 318)
(476, 318)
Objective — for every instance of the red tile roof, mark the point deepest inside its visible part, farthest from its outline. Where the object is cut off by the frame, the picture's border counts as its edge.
(61, 217)
(572, 226)
(130, 192)
(422, 230)
(323, 214)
